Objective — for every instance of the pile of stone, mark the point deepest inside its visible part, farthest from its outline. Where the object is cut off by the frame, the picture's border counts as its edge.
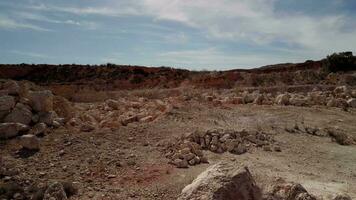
(342, 97)
(25, 111)
(120, 112)
(188, 149)
(295, 191)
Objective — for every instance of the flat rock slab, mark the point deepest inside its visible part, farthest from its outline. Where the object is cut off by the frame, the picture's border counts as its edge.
(222, 181)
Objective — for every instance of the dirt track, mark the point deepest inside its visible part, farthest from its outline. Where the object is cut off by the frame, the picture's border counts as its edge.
(127, 164)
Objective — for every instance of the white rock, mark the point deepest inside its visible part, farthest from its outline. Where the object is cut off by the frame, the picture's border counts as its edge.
(21, 114)
(222, 181)
(30, 142)
(41, 101)
(8, 130)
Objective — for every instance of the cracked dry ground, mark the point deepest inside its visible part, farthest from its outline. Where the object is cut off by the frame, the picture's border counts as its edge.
(127, 163)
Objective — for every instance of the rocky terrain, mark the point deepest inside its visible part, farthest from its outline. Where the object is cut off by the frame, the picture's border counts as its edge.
(108, 132)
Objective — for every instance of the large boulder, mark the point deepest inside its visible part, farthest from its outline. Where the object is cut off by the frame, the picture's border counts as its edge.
(21, 114)
(222, 181)
(30, 142)
(282, 99)
(41, 101)
(8, 130)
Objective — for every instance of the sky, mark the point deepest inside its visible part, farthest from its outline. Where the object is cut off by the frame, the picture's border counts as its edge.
(190, 34)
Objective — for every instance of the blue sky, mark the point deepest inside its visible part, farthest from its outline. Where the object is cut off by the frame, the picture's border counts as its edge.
(199, 34)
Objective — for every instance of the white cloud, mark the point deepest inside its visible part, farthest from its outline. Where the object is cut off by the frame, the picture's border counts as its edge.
(7, 23)
(254, 21)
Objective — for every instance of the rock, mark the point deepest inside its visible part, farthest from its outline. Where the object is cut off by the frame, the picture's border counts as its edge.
(237, 100)
(55, 191)
(8, 130)
(340, 137)
(341, 89)
(341, 103)
(289, 191)
(342, 197)
(11, 87)
(87, 127)
(30, 142)
(277, 149)
(179, 163)
(204, 160)
(282, 99)
(352, 102)
(41, 101)
(259, 99)
(38, 129)
(113, 104)
(6, 104)
(222, 181)
(297, 101)
(353, 94)
(147, 119)
(249, 98)
(192, 162)
(128, 120)
(9, 190)
(240, 149)
(188, 156)
(298, 192)
(317, 98)
(209, 98)
(63, 108)
(20, 114)
(47, 117)
(267, 148)
(35, 118)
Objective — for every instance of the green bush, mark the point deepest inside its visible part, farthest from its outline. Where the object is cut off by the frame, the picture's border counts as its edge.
(343, 61)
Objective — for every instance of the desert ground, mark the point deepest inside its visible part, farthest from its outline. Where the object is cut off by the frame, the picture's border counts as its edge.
(151, 143)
